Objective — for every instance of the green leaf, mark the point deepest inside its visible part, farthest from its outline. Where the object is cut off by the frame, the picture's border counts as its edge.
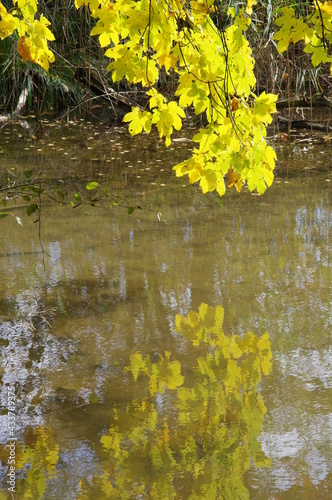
(36, 189)
(31, 209)
(26, 197)
(77, 197)
(4, 214)
(92, 185)
(130, 210)
(93, 398)
(28, 173)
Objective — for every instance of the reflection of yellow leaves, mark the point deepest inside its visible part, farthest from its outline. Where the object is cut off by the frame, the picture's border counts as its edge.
(264, 345)
(170, 375)
(108, 442)
(209, 317)
(193, 318)
(165, 374)
(233, 376)
(206, 370)
(180, 323)
(166, 439)
(37, 458)
(155, 457)
(152, 418)
(185, 395)
(249, 342)
(266, 364)
(198, 469)
(234, 348)
(219, 316)
(137, 364)
(217, 416)
(264, 342)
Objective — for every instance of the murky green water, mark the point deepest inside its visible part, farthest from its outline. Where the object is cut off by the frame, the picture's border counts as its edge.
(117, 286)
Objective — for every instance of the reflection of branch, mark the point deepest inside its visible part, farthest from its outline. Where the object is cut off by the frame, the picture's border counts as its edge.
(40, 239)
(40, 314)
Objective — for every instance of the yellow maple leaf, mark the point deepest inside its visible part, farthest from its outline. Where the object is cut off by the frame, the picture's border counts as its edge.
(250, 5)
(208, 181)
(167, 60)
(24, 47)
(234, 179)
(324, 7)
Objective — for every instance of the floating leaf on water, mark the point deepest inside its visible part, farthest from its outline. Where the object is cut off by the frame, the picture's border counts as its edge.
(130, 210)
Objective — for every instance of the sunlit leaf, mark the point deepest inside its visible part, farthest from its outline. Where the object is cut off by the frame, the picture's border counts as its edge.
(78, 197)
(91, 186)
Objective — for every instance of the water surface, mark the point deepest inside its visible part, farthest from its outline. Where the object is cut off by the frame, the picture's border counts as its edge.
(116, 284)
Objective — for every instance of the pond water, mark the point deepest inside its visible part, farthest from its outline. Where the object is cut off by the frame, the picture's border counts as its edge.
(137, 377)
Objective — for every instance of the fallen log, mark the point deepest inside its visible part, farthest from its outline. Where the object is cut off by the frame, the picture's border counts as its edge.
(92, 80)
(304, 124)
(316, 101)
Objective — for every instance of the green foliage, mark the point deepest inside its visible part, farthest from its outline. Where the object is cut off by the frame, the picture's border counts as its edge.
(35, 190)
(208, 440)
